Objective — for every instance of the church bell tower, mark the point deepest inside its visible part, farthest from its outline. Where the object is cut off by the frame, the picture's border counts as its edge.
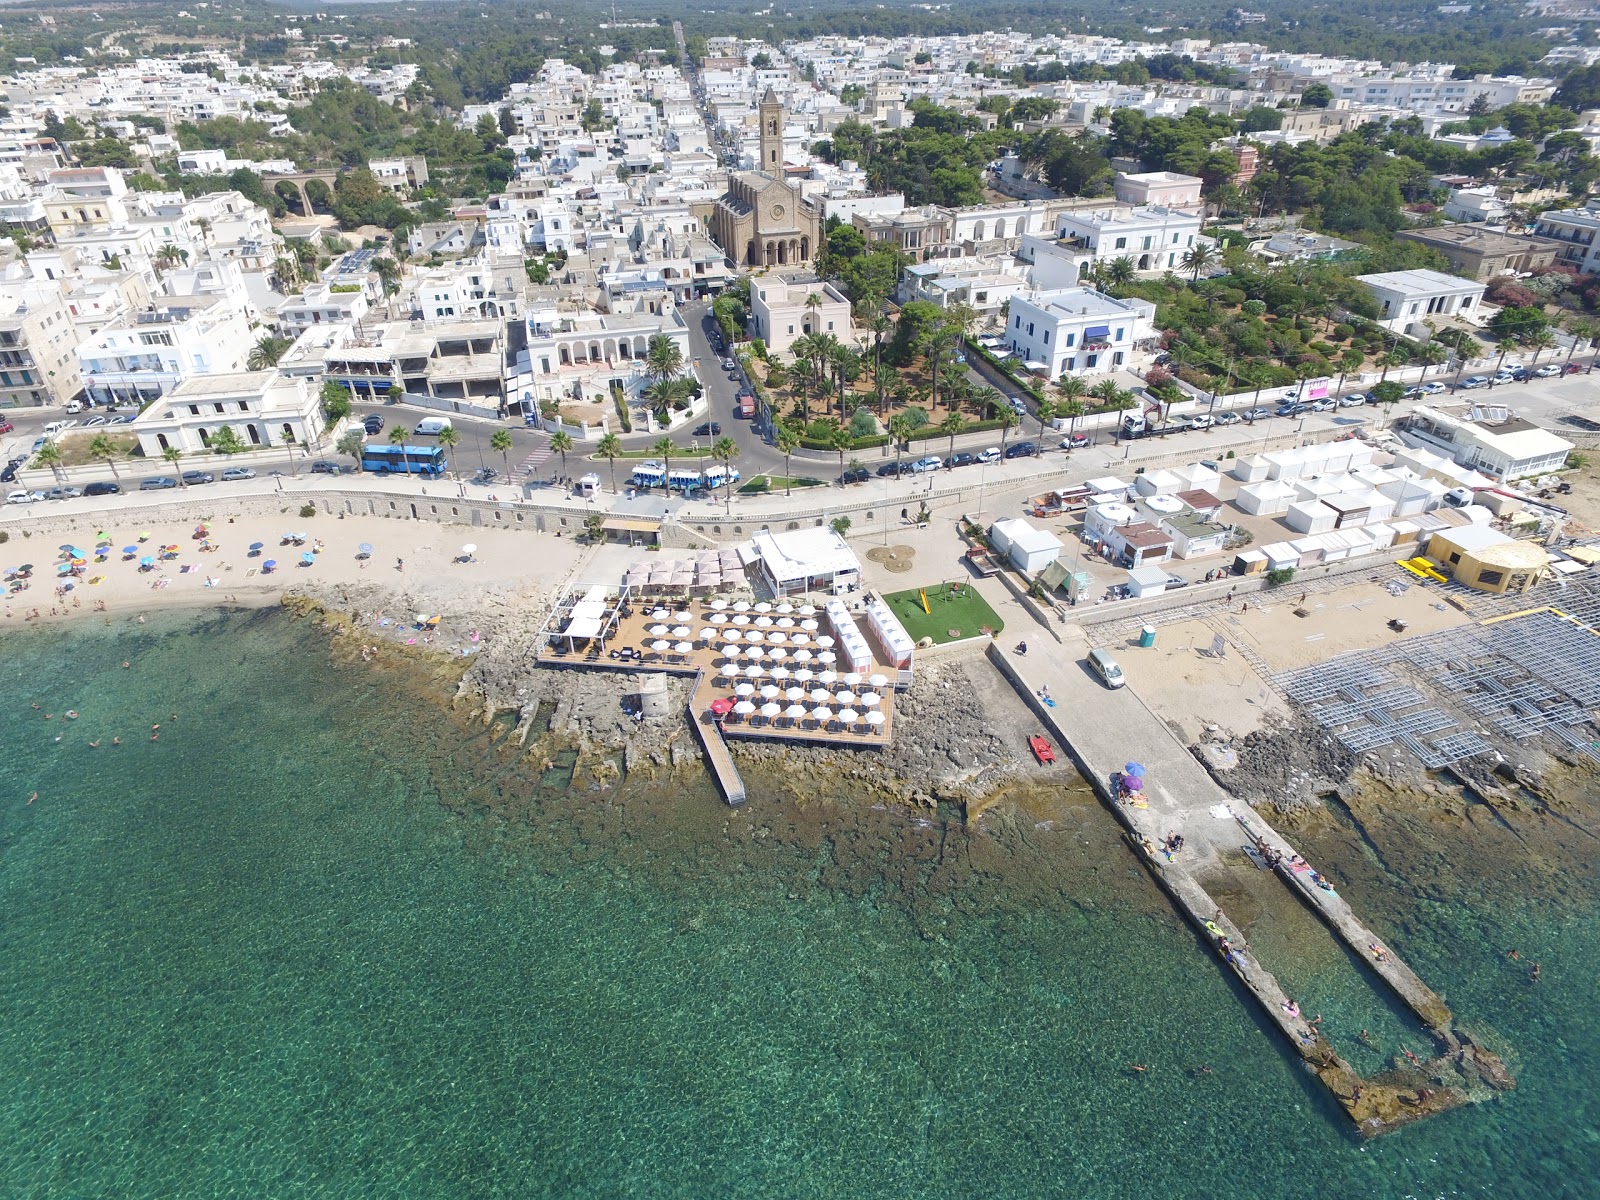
(772, 119)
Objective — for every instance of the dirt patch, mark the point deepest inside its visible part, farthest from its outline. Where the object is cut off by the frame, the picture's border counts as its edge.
(898, 559)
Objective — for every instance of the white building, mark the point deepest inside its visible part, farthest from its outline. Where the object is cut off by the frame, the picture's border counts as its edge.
(1489, 439)
(263, 408)
(1576, 228)
(803, 560)
(1030, 549)
(779, 313)
(1077, 331)
(1154, 238)
(1407, 298)
(1166, 188)
(144, 358)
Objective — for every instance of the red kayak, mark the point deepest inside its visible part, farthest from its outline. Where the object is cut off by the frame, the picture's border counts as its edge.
(1041, 749)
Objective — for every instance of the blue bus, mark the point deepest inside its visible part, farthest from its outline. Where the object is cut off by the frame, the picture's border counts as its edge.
(402, 460)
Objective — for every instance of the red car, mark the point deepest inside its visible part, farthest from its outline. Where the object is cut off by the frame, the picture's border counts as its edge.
(6, 426)
(1573, 368)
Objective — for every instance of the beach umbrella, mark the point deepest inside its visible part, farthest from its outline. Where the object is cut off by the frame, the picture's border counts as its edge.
(794, 693)
(131, 549)
(820, 695)
(1133, 783)
(800, 639)
(64, 568)
(719, 618)
(779, 673)
(752, 672)
(802, 656)
(778, 655)
(680, 616)
(808, 625)
(720, 706)
(731, 636)
(744, 708)
(255, 547)
(741, 606)
(680, 632)
(770, 692)
(266, 566)
(763, 607)
(25, 569)
(708, 634)
(719, 604)
(878, 681)
(68, 546)
(807, 610)
(307, 559)
(658, 630)
(827, 656)
(659, 645)
(851, 679)
(147, 561)
(871, 699)
(770, 710)
(683, 647)
(144, 535)
(729, 669)
(741, 619)
(755, 653)
(745, 689)
(848, 716)
(785, 607)
(1133, 768)
(828, 678)
(795, 711)
(785, 622)
(803, 675)
(846, 697)
(876, 718)
(826, 642)
(364, 550)
(822, 713)
(659, 614)
(764, 622)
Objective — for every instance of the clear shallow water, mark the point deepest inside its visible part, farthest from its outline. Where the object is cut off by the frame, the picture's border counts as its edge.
(260, 956)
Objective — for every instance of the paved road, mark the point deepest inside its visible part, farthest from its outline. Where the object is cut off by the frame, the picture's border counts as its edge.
(755, 455)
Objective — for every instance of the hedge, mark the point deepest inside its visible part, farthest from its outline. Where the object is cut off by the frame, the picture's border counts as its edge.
(622, 410)
(1005, 369)
(866, 443)
(927, 432)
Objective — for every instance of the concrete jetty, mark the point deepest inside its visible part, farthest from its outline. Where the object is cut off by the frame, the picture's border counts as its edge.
(1102, 729)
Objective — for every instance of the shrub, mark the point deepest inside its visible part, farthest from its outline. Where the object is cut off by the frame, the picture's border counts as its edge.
(308, 510)
(1254, 307)
(621, 404)
(1343, 333)
(1279, 576)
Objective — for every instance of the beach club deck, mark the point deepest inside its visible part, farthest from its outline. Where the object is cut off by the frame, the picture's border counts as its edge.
(767, 670)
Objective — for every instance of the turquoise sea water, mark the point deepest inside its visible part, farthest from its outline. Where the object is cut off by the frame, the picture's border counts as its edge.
(318, 941)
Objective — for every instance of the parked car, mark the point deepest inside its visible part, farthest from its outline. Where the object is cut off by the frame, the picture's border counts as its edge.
(6, 427)
(1291, 410)
(66, 492)
(96, 421)
(1227, 418)
(158, 483)
(890, 469)
(1076, 441)
(727, 364)
(1547, 371)
(855, 475)
(1201, 421)
(709, 429)
(128, 419)
(1353, 400)
(372, 423)
(1521, 374)
(191, 478)
(9, 475)
(1572, 368)
(932, 463)
(38, 445)
(238, 473)
(1255, 414)
(1022, 450)
(960, 459)
(1504, 375)
(22, 496)
(103, 489)
(1473, 382)
(1323, 405)
(324, 467)
(992, 454)
(1434, 388)
(1176, 581)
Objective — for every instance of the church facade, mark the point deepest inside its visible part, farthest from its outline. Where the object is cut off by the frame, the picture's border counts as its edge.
(762, 221)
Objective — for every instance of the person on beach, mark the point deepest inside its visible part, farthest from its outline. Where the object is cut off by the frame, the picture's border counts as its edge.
(1291, 1009)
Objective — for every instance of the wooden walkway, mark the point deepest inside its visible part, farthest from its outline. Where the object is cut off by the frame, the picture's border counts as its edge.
(1117, 724)
(716, 751)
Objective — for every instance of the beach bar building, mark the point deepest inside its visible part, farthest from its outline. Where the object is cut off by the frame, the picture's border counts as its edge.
(1488, 560)
(893, 640)
(803, 560)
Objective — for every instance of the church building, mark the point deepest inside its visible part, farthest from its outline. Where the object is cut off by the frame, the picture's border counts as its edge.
(762, 221)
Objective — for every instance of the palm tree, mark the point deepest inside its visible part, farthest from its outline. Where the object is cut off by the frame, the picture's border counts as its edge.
(986, 400)
(1350, 360)
(1197, 258)
(50, 456)
(203, 224)
(267, 352)
(1070, 391)
(813, 302)
(103, 447)
(561, 442)
(450, 439)
(1538, 341)
(397, 437)
(172, 454)
(787, 441)
(609, 447)
(725, 450)
(663, 449)
(663, 358)
(936, 346)
(953, 424)
(168, 257)
(1119, 271)
(883, 377)
(1047, 413)
(501, 441)
(839, 439)
(1009, 420)
(1399, 358)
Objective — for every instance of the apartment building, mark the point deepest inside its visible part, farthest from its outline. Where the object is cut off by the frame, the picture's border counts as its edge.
(1153, 237)
(1077, 331)
(38, 346)
(1575, 229)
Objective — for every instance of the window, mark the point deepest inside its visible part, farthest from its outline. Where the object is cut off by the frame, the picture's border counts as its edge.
(1491, 578)
(1455, 558)
(1120, 332)
(1071, 338)
(1116, 359)
(1016, 322)
(1147, 243)
(1122, 243)
(1046, 337)
(218, 407)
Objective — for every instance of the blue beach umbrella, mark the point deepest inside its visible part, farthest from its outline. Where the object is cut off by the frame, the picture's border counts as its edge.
(1133, 769)
(269, 564)
(130, 549)
(307, 559)
(147, 561)
(63, 568)
(365, 549)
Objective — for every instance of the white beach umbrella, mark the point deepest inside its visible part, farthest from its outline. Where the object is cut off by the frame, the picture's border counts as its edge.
(729, 669)
(683, 647)
(708, 634)
(742, 619)
(785, 622)
(680, 632)
(847, 716)
(719, 604)
(744, 708)
(778, 654)
(732, 635)
(795, 711)
(771, 710)
(659, 614)
(770, 691)
(822, 713)
(752, 672)
(820, 695)
(763, 607)
(800, 639)
(826, 642)
(878, 681)
(851, 679)
(807, 610)
(777, 638)
(659, 645)
(681, 616)
(828, 678)
(794, 693)
(741, 606)
(871, 699)
(828, 656)
(876, 718)
(846, 697)
(809, 625)
(764, 622)
(745, 690)
(803, 675)
(778, 673)
(755, 654)
(802, 656)
(785, 607)
(658, 630)
(719, 618)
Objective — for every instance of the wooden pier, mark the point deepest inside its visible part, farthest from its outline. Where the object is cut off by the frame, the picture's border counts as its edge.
(716, 750)
(1461, 1070)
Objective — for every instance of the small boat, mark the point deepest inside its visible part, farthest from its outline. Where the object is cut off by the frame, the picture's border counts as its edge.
(1041, 749)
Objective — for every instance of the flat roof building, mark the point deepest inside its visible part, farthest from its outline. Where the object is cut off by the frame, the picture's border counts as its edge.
(1407, 298)
(1481, 253)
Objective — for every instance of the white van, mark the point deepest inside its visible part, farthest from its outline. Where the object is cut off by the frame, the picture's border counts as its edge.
(1103, 665)
(431, 426)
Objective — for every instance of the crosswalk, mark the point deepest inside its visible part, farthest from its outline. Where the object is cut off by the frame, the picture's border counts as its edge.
(537, 457)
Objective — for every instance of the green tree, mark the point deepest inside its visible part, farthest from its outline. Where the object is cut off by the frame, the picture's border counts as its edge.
(787, 441)
(267, 352)
(839, 439)
(103, 447)
(397, 437)
(501, 441)
(449, 438)
(1007, 416)
(663, 358)
(561, 442)
(725, 450)
(1387, 393)
(953, 425)
(1197, 258)
(226, 441)
(1317, 95)
(352, 443)
(664, 449)
(49, 455)
(172, 454)
(840, 525)
(336, 404)
(609, 447)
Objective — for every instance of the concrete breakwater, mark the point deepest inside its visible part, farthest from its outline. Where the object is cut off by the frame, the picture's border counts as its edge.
(1101, 729)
